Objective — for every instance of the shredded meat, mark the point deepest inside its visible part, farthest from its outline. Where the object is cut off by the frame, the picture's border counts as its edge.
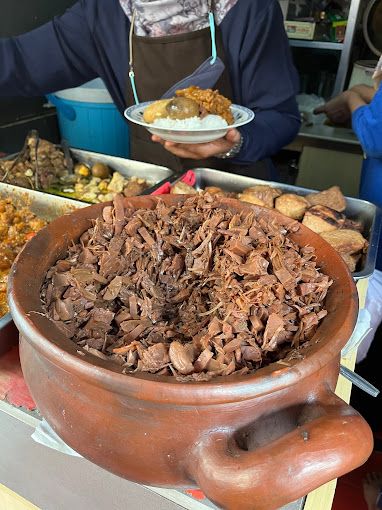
(194, 291)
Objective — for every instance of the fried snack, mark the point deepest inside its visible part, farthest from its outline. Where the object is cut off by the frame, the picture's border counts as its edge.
(346, 241)
(209, 100)
(181, 188)
(331, 197)
(260, 195)
(292, 205)
(251, 199)
(353, 225)
(134, 188)
(351, 260)
(215, 190)
(156, 111)
(323, 219)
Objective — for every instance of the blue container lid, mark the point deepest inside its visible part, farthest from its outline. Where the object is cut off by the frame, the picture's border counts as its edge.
(94, 91)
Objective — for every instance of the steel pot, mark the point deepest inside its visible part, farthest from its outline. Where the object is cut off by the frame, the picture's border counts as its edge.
(250, 442)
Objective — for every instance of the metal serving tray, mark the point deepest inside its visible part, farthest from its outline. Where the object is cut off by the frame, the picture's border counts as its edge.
(45, 206)
(154, 174)
(127, 167)
(359, 210)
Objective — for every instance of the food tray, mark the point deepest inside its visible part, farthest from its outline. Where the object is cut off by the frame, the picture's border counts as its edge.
(126, 167)
(358, 210)
(45, 206)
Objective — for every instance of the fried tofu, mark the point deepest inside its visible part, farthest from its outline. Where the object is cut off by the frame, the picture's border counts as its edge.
(215, 190)
(346, 241)
(351, 260)
(181, 188)
(250, 199)
(292, 205)
(323, 219)
(331, 197)
(353, 225)
(265, 194)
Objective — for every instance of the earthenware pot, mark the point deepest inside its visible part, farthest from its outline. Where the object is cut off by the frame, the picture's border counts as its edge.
(254, 442)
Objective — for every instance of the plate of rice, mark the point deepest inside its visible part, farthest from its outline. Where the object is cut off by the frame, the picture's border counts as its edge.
(192, 116)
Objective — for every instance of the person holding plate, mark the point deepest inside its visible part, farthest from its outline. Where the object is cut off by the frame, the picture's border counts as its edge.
(143, 48)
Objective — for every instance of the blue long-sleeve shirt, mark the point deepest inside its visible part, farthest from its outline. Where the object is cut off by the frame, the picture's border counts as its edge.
(367, 124)
(91, 39)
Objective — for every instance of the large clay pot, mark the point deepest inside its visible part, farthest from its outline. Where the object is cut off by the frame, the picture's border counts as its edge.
(254, 442)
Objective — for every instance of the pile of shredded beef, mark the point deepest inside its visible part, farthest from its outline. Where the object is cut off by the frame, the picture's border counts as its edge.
(193, 291)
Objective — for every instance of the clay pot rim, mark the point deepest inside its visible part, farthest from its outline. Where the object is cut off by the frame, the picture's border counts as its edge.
(166, 389)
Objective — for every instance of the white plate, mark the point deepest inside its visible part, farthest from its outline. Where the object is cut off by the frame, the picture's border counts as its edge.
(241, 115)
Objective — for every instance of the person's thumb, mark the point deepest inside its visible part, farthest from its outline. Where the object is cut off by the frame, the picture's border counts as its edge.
(233, 136)
(319, 109)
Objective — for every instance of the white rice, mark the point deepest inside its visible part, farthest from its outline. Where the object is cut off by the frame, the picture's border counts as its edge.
(193, 123)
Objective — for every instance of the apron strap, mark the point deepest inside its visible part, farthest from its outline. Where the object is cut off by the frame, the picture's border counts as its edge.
(131, 65)
(213, 37)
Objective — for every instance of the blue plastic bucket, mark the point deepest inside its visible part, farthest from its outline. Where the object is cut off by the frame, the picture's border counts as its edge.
(89, 120)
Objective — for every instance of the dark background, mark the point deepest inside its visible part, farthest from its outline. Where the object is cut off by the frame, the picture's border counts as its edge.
(19, 115)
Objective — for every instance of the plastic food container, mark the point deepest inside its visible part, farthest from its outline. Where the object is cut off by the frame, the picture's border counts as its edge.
(89, 119)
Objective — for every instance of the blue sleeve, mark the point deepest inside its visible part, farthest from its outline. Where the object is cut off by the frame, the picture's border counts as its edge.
(57, 55)
(263, 77)
(367, 124)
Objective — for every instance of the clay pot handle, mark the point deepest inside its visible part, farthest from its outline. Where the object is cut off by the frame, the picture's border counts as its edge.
(331, 440)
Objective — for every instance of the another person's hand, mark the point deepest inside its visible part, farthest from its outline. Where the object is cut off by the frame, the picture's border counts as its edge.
(201, 150)
(337, 109)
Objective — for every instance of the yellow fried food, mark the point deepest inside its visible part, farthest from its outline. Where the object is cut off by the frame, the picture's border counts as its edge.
(292, 205)
(156, 110)
(82, 170)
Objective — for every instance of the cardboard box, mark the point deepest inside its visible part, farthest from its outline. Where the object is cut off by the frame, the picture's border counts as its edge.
(300, 29)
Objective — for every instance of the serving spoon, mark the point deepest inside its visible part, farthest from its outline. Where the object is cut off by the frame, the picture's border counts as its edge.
(359, 381)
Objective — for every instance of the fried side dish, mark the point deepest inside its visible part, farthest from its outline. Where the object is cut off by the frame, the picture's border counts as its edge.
(17, 226)
(320, 218)
(39, 165)
(260, 195)
(292, 205)
(345, 241)
(43, 166)
(331, 197)
(325, 216)
(210, 101)
(194, 291)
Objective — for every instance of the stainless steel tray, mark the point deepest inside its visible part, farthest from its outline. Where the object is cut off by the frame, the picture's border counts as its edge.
(45, 206)
(154, 174)
(358, 210)
(127, 167)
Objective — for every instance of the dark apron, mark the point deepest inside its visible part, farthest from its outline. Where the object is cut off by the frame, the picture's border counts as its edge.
(159, 62)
